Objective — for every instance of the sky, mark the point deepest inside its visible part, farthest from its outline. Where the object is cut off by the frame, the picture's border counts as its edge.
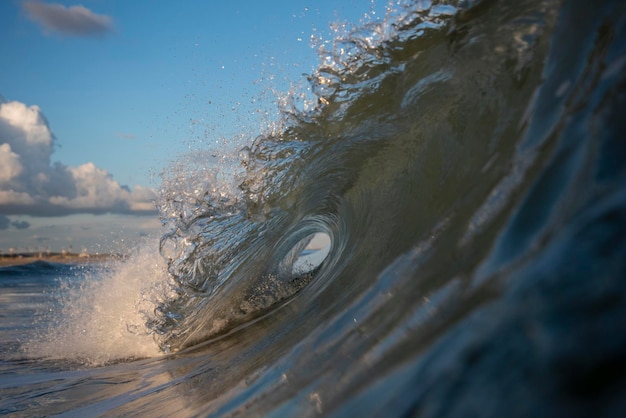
(99, 97)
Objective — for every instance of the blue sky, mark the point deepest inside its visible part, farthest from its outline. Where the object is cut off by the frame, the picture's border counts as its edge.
(99, 96)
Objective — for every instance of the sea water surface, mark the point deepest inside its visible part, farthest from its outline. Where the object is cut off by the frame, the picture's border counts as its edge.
(439, 231)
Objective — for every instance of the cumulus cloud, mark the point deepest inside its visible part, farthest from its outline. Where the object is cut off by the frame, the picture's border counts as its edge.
(74, 20)
(31, 184)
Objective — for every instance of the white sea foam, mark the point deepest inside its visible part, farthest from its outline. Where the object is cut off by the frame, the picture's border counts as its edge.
(102, 317)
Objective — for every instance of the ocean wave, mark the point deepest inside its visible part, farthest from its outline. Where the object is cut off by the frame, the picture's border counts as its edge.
(438, 231)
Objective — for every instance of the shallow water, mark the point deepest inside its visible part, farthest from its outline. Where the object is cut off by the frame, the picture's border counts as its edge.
(463, 164)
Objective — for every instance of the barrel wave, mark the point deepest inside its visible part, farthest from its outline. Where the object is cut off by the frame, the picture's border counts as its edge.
(437, 230)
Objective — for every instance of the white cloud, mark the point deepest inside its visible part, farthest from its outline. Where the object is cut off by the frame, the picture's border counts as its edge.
(9, 197)
(10, 165)
(74, 20)
(30, 184)
(30, 121)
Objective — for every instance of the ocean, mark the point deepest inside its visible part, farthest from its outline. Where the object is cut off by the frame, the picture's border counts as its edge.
(437, 230)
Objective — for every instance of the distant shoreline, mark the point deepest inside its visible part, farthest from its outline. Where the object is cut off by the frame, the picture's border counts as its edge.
(21, 259)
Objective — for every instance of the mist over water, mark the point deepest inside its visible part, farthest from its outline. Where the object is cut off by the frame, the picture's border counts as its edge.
(436, 230)
(98, 314)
